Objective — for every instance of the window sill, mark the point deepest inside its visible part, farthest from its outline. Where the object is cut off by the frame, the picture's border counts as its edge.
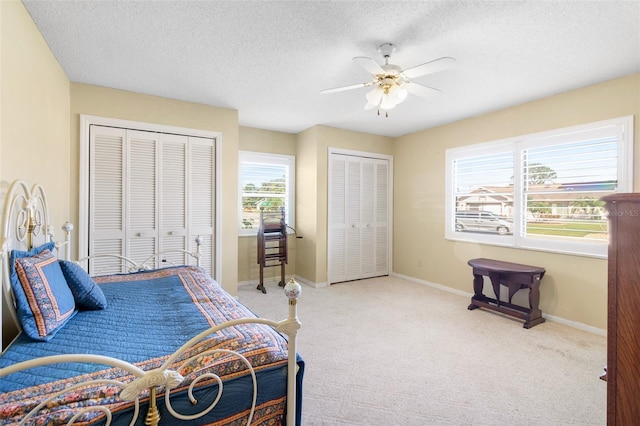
(529, 248)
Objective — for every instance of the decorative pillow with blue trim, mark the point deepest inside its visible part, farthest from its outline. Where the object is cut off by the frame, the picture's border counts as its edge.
(44, 302)
(87, 294)
(17, 254)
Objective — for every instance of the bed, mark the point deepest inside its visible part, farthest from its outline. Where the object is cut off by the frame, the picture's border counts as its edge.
(150, 346)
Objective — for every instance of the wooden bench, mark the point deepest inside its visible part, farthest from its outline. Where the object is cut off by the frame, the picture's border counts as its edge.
(513, 275)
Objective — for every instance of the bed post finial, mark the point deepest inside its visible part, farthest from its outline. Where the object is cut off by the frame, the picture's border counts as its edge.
(67, 227)
(293, 291)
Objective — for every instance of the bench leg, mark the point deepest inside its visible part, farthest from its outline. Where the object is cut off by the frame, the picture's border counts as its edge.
(535, 315)
(478, 285)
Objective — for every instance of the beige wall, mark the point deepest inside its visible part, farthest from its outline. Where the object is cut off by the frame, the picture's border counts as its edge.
(34, 116)
(575, 287)
(313, 165)
(35, 111)
(259, 140)
(104, 102)
(306, 202)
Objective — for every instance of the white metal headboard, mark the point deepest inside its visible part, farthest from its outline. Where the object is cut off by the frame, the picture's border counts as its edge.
(26, 223)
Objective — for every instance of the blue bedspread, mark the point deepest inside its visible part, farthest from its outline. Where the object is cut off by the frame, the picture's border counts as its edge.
(149, 316)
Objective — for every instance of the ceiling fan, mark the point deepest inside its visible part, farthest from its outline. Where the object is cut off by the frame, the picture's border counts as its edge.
(391, 83)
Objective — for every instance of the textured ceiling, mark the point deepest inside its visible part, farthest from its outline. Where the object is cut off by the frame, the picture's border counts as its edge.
(270, 59)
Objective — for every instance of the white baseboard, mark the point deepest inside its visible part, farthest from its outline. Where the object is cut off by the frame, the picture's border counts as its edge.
(311, 283)
(434, 285)
(574, 324)
(287, 278)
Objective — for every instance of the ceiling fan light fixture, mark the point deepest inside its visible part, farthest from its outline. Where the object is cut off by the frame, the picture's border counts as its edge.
(397, 93)
(391, 83)
(387, 102)
(375, 96)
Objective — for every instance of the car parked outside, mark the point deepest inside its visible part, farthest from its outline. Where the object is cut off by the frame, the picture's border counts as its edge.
(483, 221)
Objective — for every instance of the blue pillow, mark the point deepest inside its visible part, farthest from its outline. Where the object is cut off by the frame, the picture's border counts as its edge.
(87, 294)
(17, 254)
(44, 302)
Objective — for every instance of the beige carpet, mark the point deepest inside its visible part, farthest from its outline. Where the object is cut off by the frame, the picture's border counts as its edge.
(386, 351)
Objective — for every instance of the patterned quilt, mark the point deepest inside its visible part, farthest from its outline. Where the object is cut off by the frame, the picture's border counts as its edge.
(149, 316)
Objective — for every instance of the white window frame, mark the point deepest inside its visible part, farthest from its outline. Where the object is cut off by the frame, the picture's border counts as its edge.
(275, 159)
(622, 127)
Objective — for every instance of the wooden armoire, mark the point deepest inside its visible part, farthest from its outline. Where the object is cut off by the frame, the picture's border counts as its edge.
(623, 325)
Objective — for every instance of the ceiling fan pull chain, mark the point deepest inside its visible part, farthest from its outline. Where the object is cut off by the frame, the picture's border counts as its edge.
(386, 113)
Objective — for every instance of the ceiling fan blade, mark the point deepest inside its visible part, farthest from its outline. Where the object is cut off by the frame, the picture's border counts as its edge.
(420, 90)
(369, 64)
(429, 67)
(342, 88)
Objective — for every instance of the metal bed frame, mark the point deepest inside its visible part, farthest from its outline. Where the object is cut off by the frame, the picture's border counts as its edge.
(26, 223)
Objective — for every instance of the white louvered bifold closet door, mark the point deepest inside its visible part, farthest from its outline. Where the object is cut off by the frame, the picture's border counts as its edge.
(142, 196)
(353, 247)
(106, 198)
(173, 198)
(337, 228)
(202, 198)
(358, 218)
(382, 219)
(150, 193)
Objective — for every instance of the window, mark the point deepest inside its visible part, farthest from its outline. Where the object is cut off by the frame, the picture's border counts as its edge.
(266, 185)
(540, 191)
